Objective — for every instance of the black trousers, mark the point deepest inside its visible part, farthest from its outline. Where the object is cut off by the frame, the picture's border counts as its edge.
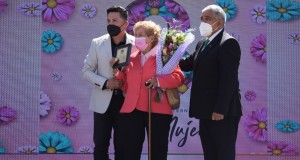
(103, 125)
(133, 125)
(218, 138)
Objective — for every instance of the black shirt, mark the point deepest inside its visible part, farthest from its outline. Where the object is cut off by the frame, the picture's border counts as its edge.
(113, 47)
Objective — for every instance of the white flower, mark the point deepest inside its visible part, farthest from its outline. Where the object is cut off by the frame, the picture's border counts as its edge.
(56, 76)
(45, 104)
(31, 9)
(86, 149)
(28, 150)
(258, 14)
(88, 10)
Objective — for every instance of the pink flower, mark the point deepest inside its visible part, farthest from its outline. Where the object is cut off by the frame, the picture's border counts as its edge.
(256, 125)
(170, 46)
(67, 115)
(250, 95)
(3, 4)
(7, 115)
(259, 48)
(281, 148)
(54, 10)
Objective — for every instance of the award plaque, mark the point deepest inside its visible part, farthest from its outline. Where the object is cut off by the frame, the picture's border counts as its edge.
(122, 53)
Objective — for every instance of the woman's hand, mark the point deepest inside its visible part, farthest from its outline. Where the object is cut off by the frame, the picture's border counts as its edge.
(114, 84)
(152, 83)
(115, 71)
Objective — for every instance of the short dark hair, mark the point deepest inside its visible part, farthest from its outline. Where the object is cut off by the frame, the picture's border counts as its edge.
(123, 12)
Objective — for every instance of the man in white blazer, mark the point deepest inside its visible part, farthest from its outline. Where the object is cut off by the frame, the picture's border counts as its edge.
(107, 98)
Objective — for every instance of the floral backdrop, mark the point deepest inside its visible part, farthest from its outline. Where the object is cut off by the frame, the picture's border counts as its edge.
(268, 127)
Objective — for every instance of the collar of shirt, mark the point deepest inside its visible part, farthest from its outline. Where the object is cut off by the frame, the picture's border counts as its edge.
(145, 57)
(213, 36)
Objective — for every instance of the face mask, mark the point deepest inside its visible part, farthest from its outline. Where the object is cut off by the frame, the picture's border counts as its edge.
(113, 30)
(205, 29)
(141, 43)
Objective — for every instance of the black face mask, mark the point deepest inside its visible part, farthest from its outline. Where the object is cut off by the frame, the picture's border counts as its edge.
(113, 30)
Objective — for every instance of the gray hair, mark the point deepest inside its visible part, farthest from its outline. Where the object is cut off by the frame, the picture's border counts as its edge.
(218, 11)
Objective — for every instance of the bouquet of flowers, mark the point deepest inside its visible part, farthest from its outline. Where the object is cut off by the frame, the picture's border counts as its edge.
(172, 45)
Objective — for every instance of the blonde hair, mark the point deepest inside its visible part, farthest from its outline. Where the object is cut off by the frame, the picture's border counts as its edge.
(151, 28)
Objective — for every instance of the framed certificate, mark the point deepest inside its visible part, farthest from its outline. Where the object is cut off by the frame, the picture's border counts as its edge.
(122, 53)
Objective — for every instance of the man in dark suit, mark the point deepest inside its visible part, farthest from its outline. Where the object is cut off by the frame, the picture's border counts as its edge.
(215, 97)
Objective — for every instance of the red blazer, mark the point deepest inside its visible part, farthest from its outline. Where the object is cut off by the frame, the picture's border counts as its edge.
(136, 93)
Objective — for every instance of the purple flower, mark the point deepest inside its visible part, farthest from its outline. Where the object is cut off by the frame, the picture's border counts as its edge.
(88, 10)
(294, 38)
(67, 115)
(183, 23)
(258, 14)
(132, 19)
(281, 148)
(182, 17)
(259, 48)
(136, 8)
(135, 14)
(54, 10)
(174, 23)
(7, 115)
(28, 150)
(31, 9)
(45, 104)
(86, 149)
(250, 95)
(3, 4)
(174, 7)
(256, 125)
(155, 3)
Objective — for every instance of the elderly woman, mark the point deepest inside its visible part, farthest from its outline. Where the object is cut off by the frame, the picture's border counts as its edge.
(134, 112)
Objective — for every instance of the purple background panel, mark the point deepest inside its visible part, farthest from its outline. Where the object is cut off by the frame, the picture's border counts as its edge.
(25, 71)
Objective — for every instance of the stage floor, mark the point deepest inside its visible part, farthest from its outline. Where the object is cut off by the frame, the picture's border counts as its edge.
(144, 157)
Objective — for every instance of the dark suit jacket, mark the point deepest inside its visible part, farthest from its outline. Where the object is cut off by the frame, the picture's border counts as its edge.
(215, 86)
